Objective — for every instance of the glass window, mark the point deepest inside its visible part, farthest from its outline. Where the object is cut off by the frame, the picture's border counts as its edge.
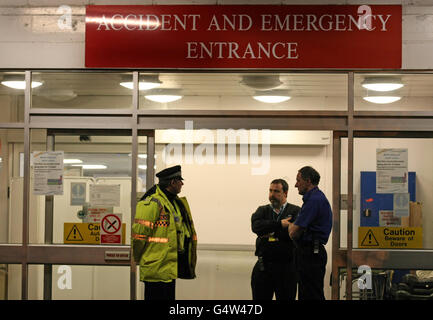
(392, 185)
(235, 91)
(11, 186)
(227, 174)
(393, 92)
(10, 281)
(74, 90)
(96, 181)
(12, 96)
(387, 284)
(81, 282)
(235, 167)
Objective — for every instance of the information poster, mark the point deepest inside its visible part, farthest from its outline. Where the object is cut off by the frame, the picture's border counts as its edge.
(401, 204)
(78, 193)
(388, 219)
(391, 171)
(105, 195)
(94, 214)
(47, 172)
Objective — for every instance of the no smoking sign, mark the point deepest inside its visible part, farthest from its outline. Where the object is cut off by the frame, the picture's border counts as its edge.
(111, 229)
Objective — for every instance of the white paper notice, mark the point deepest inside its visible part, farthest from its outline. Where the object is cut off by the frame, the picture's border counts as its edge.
(391, 171)
(401, 204)
(388, 219)
(47, 172)
(105, 195)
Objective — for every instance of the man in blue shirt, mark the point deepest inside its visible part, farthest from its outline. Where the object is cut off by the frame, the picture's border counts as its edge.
(310, 232)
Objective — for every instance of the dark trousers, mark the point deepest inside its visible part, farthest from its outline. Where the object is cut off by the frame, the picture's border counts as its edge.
(159, 290)
(278, 278)
(311, 269)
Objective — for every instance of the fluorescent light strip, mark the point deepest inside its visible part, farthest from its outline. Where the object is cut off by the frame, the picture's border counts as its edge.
(91, 166)
(70, 161)
(20, 85)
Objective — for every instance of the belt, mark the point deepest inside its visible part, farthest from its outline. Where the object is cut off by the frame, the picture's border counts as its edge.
(310, 245)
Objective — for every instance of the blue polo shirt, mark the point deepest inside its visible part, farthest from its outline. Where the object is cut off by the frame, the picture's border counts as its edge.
(315, 217)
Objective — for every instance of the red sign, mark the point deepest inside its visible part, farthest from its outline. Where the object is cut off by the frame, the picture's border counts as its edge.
(111, 229)
(244, 36)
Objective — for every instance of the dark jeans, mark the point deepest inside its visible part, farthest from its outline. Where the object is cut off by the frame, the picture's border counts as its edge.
(278, 278)
(311, 269)
(159, 290)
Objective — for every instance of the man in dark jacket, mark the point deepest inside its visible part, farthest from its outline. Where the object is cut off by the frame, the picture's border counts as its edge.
(274, 271)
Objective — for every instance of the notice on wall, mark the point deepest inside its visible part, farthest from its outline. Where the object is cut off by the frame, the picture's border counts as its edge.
(111, 229)
(105, 195)
(391, 170)
(78, 193)
(388, 219)
(390, 237)
(401, 204)
(94, 214)
(47, 172)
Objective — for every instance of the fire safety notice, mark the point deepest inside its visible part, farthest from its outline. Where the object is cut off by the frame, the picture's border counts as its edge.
(390, 237)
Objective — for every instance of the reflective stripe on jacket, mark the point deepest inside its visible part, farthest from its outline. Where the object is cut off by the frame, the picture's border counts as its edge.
(154, 238)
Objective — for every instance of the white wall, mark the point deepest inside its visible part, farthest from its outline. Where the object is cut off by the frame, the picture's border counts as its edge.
(30, 36)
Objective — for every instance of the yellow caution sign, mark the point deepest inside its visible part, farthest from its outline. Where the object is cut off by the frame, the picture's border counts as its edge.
(85, 233)
(390, 237)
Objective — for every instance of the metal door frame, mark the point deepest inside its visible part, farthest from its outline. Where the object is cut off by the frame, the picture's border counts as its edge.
(348, 123)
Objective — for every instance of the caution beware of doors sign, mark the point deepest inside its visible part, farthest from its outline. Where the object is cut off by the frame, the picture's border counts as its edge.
(390, 237)
(85, 233)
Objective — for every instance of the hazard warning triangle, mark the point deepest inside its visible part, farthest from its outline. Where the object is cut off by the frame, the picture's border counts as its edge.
(370, 240)
(75, 234)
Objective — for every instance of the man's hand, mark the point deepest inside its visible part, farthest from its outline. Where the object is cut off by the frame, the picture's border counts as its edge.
(285, 222)
(294, 231)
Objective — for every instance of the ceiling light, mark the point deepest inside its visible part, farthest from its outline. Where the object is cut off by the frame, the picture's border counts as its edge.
(261, 82)
(164, 95)
(382, 84)
(382, 99)
(145, 82)
(141, 155)
(17, 82)
(91, 166)
(70, 161)
(272, 96)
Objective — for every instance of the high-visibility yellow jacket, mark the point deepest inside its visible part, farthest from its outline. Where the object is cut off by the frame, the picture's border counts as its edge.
(155, 238)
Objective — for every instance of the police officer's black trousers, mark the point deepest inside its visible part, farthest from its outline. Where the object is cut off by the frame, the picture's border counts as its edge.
(160, 290)
(311, 269)
(278, 278)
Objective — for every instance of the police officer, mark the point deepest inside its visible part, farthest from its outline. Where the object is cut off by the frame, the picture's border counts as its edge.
(274, 271)
(164, 240)
(310, 231)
